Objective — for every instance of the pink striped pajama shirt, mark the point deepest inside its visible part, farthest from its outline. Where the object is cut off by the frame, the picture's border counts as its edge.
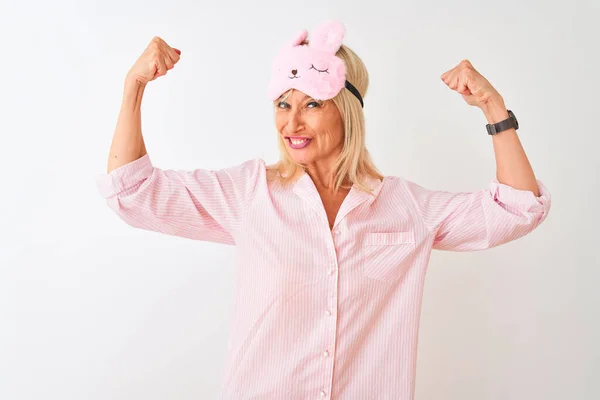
(320, 313)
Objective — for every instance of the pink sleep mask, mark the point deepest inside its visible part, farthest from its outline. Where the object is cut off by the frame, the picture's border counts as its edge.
(313, 69)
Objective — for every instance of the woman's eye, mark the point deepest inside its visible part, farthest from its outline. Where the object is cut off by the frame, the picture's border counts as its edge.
(282, 104)
(314, 103)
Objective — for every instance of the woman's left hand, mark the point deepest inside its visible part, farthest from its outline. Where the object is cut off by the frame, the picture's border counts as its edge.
(474, 88)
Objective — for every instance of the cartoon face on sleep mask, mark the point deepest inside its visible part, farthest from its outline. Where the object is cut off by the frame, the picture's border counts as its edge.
(313, 69)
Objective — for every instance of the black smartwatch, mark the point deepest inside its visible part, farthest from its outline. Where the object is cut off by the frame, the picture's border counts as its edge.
(510, 122)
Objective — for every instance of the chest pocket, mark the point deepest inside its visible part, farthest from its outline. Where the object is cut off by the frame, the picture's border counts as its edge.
(387, 255)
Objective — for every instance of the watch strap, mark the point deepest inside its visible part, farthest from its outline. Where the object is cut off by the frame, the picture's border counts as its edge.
(510, 122)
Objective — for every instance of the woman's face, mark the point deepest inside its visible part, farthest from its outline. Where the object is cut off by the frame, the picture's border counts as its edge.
(313, 131)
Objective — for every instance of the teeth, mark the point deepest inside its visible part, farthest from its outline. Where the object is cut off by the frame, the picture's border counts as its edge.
(298, 141)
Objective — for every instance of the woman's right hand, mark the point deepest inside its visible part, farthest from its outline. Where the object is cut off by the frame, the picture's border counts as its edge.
(155, 61)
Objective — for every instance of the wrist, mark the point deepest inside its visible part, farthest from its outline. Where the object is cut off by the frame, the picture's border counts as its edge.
(495, 111)
(133, 88)
(131, 82)
(133, 93)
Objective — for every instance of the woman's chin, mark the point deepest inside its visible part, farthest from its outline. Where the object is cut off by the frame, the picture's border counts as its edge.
(302, 160)
(301, 156)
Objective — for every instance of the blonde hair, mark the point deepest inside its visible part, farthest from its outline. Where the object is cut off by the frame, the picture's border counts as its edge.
(354, 164)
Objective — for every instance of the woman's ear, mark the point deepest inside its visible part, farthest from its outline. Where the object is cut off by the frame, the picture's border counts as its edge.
(328, 36)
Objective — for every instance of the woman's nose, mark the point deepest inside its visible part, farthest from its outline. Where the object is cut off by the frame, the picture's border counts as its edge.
(294, 123)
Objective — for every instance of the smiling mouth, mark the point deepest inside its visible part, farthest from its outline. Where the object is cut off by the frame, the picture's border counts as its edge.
(298, 142)
(293, 77)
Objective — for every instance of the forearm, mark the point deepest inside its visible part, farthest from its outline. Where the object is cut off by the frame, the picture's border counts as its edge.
(128, 143)
(512, 166)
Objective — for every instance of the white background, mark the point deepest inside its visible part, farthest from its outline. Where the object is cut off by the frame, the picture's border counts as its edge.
(91, 308)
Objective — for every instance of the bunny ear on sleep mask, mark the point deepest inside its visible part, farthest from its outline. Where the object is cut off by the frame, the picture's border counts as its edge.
(314, 68)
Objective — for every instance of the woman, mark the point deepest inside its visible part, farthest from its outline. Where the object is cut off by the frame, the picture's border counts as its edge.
(331, 255)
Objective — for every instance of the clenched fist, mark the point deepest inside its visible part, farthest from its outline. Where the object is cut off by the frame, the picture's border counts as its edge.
(155, 61)
(474, 88)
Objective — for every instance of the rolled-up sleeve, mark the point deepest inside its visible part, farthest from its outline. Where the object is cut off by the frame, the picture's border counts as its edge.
(200, 204)
(470, 221)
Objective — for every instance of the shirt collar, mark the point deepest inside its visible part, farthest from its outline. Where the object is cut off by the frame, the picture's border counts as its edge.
(305, 188)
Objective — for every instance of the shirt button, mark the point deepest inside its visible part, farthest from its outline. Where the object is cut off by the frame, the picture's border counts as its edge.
(331, 271)
(322, 393)
(328, 313)
(326, 354)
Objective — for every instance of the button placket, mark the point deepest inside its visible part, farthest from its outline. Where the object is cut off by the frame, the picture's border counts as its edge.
(331, 304)
(327, 354)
